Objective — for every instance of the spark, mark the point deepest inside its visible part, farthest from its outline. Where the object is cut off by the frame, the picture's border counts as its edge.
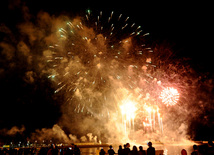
(126, 19)
(119, 17)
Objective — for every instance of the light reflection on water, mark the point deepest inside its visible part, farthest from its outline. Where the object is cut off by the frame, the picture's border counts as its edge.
(174, 149)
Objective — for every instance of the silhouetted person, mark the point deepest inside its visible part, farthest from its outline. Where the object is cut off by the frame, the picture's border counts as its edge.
(124, 149)
(141, 151)
(150, 150)
(111, 151)
(195, 148)
(127, 149)
(183, 152)
(134, 151)
(120, 150)
(102, 152)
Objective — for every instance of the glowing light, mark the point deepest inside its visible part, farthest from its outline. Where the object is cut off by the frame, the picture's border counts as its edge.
(169, 96)
(149, 60)
(128, 109)
(98, 65)
(89, 11)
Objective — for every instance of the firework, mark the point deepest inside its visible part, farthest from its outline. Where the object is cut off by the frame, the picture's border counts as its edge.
(101, 65)
(93, 55)
(169, 96)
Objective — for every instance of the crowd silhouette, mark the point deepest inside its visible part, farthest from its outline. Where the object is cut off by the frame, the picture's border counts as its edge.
(127, 151)
(197, 150)
(205, 149)
(53, 150)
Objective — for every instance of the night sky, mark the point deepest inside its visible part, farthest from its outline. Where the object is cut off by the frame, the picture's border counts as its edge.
(183, 26)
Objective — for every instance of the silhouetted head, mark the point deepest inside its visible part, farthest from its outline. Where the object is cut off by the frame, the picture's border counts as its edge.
(102, 150)
(195, 147)
(141, 147)
(134, 148)
(127, 145)
(110, 146)
(149, 144)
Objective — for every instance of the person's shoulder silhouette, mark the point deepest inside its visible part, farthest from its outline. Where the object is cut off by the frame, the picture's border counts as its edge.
(120, 150)
(150, 150)
(111, 151)
(195, 148)
(102, 152)
(141, 151)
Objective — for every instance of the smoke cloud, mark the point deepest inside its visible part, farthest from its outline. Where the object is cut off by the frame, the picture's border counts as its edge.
(13, 131)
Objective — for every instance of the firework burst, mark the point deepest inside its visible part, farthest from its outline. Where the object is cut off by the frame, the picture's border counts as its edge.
(101, 65)
(169, 96)
(94, 55)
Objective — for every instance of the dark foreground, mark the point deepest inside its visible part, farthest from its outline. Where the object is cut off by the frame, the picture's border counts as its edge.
(93, 149)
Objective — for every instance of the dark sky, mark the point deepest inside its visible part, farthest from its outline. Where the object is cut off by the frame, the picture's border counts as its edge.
(185, 26)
